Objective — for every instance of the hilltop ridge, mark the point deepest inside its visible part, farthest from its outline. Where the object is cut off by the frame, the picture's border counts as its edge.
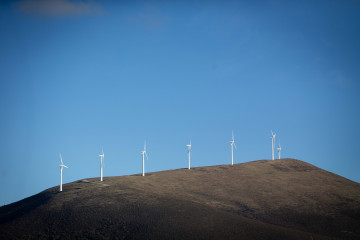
(264, 199)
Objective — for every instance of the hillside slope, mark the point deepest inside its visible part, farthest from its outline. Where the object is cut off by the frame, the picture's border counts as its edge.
(280, 199)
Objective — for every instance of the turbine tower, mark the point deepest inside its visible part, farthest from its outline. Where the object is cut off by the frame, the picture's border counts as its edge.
(101, 164)
(279, 150)
(232, 143)
(143, 152)
(61, 169)
(272, 144)
(189, 150)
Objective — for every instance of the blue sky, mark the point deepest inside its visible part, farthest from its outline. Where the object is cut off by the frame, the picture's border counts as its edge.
(79, 75)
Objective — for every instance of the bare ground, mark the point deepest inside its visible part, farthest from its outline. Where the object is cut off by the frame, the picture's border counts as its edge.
(265, 199)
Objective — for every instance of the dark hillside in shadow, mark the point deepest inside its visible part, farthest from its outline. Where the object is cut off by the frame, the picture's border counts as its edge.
(265, 199)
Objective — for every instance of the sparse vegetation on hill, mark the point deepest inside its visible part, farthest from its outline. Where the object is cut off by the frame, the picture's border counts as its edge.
(281, 199)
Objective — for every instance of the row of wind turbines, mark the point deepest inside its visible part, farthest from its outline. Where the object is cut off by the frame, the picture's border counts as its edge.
(144, 154)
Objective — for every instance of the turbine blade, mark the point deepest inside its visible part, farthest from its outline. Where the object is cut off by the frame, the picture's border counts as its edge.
(147, 158)
(232, 135)
(65, 166)
(234, 145)
(145, 145)
(61, 159)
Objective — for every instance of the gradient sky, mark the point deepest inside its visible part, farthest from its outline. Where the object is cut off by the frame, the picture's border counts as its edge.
(79, 75)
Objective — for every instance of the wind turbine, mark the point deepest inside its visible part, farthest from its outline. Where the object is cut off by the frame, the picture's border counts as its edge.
(101, 164)
(143, 152)
(232, 143)
(279, 149)
(61, 169)
(272, 143)
(189, 150)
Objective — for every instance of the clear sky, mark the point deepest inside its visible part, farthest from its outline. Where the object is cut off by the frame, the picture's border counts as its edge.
(76, 76)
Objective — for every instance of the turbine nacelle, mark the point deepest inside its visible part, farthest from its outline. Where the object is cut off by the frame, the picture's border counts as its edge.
(144, 151)
(232, 142)
(102, 153)
(189, 145)
(273, 135)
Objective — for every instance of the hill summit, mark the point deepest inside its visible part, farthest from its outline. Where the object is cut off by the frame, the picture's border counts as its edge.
(264, 199)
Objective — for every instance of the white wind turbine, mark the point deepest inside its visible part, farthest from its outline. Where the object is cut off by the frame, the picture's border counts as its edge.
(101, 164)
(143, 152)
(232, 143)
(189, 150)
(61, 170)
(272, 143)
(279, 150)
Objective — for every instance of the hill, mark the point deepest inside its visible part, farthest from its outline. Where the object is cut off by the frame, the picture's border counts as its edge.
(265, 199)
